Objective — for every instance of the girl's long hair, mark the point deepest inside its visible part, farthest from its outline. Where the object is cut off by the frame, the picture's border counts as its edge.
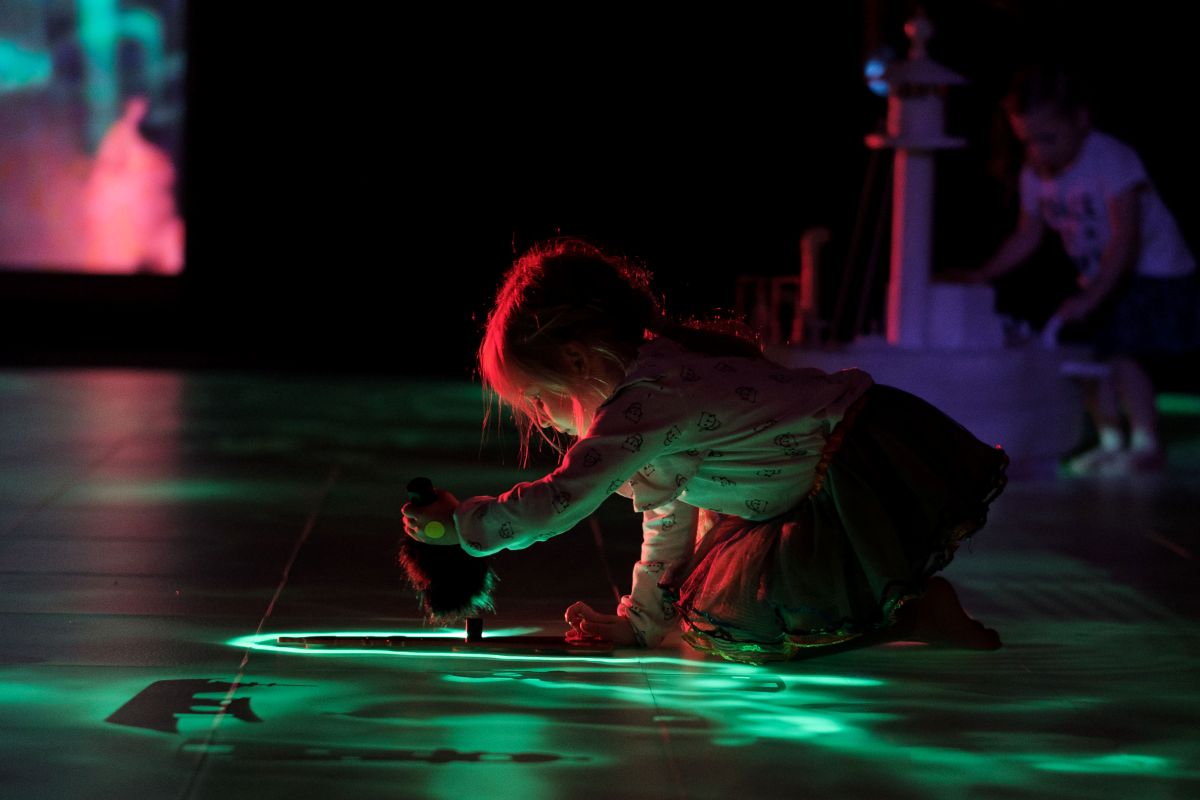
(568, 290)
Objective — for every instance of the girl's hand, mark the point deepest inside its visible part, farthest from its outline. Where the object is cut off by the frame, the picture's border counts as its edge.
(432, 523)
(588, 624)
(1074, 309)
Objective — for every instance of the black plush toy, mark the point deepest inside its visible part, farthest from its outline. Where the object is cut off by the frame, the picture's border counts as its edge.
(450, 584)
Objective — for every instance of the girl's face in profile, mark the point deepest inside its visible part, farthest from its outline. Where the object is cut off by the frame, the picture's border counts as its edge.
(569, 407)
(562, 412)
(1052, 137)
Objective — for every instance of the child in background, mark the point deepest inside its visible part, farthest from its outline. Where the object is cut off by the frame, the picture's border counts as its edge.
(1138, 295)
(781, 508)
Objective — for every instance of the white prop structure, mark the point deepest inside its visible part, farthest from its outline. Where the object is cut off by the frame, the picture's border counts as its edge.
(944, 341)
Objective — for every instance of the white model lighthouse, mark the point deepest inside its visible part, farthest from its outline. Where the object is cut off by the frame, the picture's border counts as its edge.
(945, 341)
(916, 130)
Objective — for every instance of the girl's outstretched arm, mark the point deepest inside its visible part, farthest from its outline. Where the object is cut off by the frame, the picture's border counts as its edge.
(637, 426)
(1018, 248)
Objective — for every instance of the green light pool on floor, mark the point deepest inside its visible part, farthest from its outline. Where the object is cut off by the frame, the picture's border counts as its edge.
(1178, 405)
(1112, 764)
(269, 642)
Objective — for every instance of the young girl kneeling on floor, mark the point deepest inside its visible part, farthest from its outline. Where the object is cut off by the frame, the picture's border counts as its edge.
(782, 508)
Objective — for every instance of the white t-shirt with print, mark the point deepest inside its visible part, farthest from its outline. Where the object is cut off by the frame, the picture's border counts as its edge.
(1075, 204)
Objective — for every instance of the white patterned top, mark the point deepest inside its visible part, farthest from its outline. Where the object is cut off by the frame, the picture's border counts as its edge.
(683, 432)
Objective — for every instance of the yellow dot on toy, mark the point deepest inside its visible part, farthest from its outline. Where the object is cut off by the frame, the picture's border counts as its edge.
(435, 530)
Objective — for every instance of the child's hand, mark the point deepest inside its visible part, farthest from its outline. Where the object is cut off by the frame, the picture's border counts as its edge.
(1074, 309)
(432, 523)
(589, 624)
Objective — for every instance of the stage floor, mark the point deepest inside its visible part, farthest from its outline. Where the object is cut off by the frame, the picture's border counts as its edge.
(159, 531)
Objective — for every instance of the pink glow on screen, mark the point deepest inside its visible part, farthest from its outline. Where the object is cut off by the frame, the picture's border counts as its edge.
(113, 212)
(91, 118)
(129, 211)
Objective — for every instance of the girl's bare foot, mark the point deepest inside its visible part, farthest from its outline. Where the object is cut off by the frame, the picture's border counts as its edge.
(938, 617)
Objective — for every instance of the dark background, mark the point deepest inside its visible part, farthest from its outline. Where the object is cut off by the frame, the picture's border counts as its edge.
(357, 181)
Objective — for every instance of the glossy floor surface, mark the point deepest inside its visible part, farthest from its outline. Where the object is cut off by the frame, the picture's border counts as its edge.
(160, 531)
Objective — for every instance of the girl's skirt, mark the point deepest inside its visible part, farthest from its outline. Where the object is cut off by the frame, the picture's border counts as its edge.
(899, 487)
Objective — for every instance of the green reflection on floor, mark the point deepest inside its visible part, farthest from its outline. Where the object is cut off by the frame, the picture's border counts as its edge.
(1113, 764)
(1178, 405)
(269, 642)
(12, 693)
(1017, 738)
(190, 491)
(505, 780)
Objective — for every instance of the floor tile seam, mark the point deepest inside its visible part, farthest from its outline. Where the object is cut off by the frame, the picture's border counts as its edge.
(310, 523)
(672, 760)
(668, 743)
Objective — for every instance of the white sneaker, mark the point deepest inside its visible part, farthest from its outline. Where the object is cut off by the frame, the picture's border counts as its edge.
(1092, 462)
(1142, 461)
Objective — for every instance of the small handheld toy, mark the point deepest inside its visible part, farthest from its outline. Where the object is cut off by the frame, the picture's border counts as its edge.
(450, 585)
